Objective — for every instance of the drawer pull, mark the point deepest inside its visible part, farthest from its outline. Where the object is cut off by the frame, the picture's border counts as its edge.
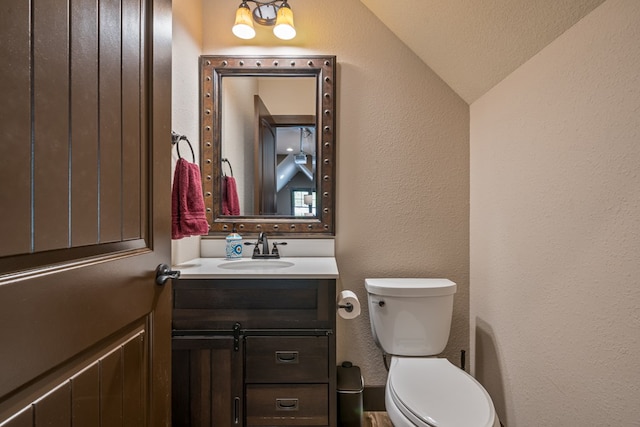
(283, 404)
(287, 357)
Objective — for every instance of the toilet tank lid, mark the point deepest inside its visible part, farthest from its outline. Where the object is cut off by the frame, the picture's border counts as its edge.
(410, 287)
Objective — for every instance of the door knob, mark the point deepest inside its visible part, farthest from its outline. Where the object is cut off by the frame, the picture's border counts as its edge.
(163, 273)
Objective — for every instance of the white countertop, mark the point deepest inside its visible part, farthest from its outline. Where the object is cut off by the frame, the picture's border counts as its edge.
(218, 268)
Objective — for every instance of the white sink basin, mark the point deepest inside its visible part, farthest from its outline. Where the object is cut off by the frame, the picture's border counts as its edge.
(256, 264)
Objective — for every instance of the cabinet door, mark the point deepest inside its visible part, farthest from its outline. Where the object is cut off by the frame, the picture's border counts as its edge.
(207, 382)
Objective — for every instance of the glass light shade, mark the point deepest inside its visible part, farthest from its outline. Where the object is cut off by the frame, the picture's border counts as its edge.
(308, 199)
(243, 28)
(284, 28)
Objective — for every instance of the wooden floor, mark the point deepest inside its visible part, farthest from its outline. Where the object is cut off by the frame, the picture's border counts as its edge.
(376, 419)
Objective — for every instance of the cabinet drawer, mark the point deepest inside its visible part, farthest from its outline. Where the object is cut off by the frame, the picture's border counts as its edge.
(287, 405)
(278, 359)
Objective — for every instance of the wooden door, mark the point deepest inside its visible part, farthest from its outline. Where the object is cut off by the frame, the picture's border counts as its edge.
(265, 134)
(84, 200)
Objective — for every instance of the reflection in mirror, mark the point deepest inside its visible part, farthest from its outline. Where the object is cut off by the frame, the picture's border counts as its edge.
(268, 145)
(283, 110)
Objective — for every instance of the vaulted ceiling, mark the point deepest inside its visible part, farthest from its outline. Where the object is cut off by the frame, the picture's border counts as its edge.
(474, 44)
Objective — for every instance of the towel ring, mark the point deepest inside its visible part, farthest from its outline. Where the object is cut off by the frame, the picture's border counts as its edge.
(230, 168)
(175, 140)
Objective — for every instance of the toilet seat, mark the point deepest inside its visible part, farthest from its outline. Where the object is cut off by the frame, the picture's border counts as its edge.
(432, 392)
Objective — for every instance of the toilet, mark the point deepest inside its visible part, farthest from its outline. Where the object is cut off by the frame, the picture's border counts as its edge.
(411, 320)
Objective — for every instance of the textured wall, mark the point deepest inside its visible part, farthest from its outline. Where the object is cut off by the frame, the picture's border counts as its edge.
(185, 120)
(555, 220)
(403, 158)
(237, 122)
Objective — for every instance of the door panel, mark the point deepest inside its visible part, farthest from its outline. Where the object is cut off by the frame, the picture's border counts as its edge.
(23, 419)
(207, 382)
(110, 116)
(15, 113)
(84, 329)
(131, 129)
(113, 383)
(84, 126)
(50, 155)
(85, 392)
(79, 76)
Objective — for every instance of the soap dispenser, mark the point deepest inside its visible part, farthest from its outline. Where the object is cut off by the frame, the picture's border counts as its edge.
(234, 245)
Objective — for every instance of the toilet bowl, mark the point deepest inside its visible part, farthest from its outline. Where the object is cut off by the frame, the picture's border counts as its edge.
(432, 392)
(411, 321)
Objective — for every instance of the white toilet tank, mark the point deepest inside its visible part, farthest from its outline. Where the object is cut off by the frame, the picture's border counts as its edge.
(410, 317)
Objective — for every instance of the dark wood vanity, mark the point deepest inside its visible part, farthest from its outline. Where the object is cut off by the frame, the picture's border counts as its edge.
(254, 352)
(260, 351)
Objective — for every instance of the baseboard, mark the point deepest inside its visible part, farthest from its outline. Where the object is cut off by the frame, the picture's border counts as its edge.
(373, 398)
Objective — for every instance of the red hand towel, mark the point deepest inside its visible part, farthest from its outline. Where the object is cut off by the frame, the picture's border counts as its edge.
(230, 201)
(187, 204)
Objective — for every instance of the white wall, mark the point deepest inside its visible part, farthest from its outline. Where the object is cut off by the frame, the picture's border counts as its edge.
(402, 158)
(238, 136)
(295, 96)
(555, 229)
(185, 119)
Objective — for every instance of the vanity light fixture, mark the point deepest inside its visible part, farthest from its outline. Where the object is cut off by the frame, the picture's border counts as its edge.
(276, 13)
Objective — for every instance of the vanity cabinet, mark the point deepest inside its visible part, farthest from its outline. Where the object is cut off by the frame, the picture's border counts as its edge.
(254, 352)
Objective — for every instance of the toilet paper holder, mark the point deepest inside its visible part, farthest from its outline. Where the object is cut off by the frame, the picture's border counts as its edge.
(347, 304)
(348, 307)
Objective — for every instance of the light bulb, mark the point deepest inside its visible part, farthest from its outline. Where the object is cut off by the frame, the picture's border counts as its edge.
(284, 28)
(243, 28)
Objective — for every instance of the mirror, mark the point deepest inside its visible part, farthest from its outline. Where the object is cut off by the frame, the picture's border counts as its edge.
(268, 144)
(281, 113)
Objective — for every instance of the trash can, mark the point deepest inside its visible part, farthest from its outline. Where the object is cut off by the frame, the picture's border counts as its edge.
(350, 386)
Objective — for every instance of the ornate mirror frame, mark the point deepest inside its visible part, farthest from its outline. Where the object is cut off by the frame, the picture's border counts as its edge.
(323, 68)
